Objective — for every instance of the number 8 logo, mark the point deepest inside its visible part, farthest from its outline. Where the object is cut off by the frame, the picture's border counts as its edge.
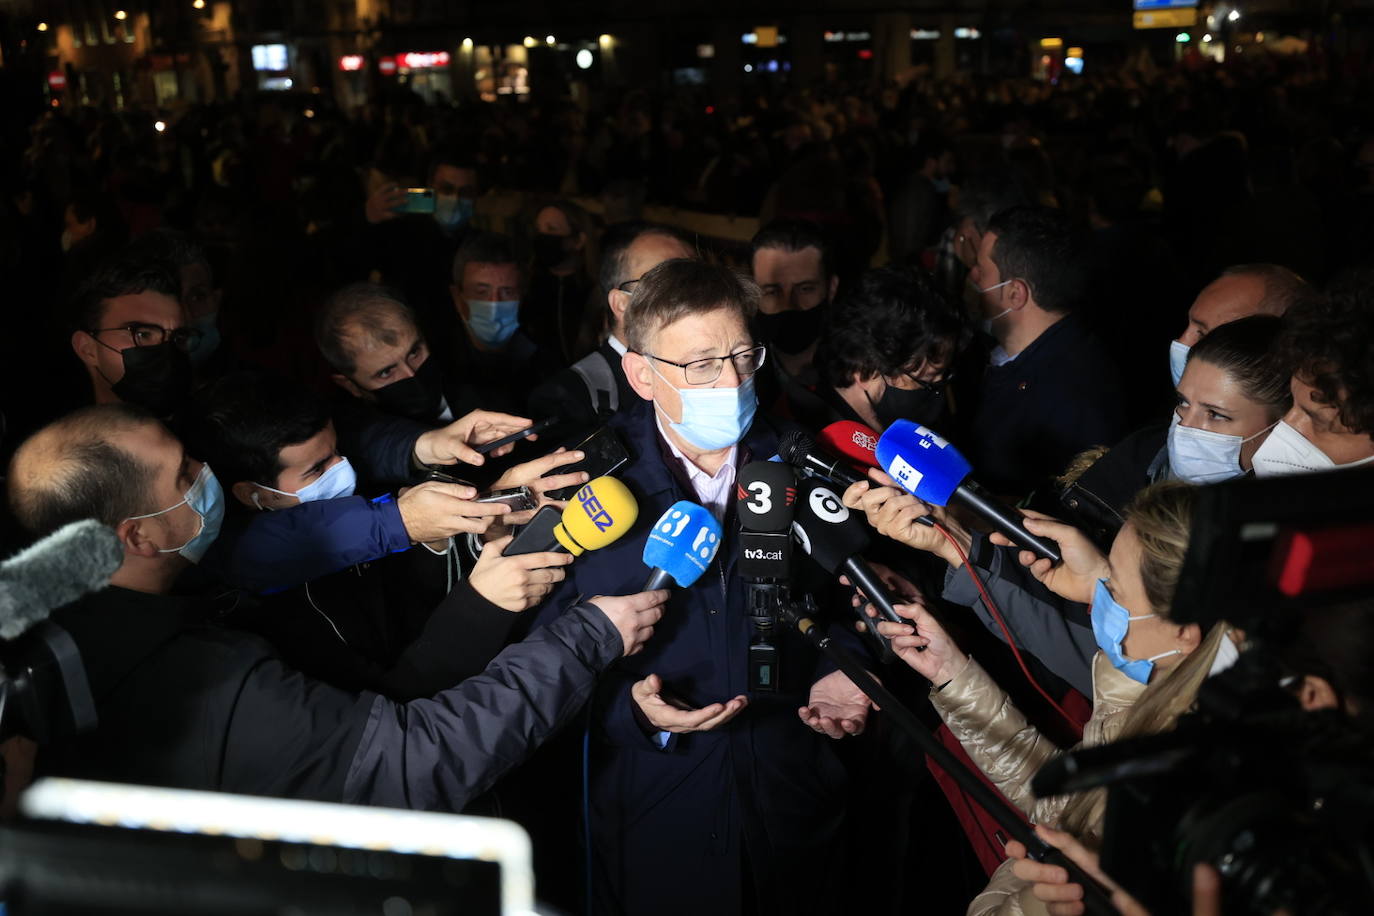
(827, 506)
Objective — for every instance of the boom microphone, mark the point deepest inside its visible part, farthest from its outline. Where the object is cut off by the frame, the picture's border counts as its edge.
(834, 536)
(800, 450)
(73, 561)
(681, 545)
(932, 470)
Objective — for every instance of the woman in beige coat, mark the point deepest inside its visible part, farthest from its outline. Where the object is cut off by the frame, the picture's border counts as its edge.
(1147, 672)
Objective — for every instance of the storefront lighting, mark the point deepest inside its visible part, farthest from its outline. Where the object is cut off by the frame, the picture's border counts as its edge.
(198, 4)
(1048, 43)
(748, 68)
(706, 52)
(530, 42)
(1207, 37)
(749, 38)
(1183, 38)
(121, 15)
(548, 40)
(351, 63)
(1073, 53)
(467, 44)
(42, 26)
(584, 59)
(159, 126)
(967, 33)
(606, 40)
(1233, 16)
(309, 112)
(925, 34)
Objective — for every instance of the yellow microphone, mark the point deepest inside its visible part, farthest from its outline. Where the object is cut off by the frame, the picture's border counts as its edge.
(598, 514)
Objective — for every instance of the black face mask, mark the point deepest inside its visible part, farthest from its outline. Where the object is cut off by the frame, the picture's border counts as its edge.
(925, 406)
(157, 378)
(548, 250)
(417, 397)
(791, 331)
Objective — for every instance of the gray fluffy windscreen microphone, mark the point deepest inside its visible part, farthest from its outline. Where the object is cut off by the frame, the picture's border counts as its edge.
(74, 560)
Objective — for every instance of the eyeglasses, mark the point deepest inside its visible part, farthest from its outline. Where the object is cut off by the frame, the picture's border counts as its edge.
(152, 335)
(628, 286)
(705, 371)
(937, 387)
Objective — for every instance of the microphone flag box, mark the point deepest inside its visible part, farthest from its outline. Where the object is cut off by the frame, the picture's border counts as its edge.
(922, 462)
(765, 555)
(683, 542)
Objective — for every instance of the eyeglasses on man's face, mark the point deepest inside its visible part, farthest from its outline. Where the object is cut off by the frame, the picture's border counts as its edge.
(707, 370)
(152, 335)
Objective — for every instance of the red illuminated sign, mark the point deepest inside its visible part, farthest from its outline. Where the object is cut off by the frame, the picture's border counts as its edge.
(387, 66)
(351, 62)
(422, 60)
(57, 81)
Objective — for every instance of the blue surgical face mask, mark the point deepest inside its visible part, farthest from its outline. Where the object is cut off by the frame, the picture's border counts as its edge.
(1110, 623)
(338, 481)
(1200, 456)
(493, 323)
(452, 212)
(1178, 360)
(206, 499)
(714, 418)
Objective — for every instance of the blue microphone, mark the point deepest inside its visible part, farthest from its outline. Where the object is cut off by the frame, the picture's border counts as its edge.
(682, 543)
(925, 465)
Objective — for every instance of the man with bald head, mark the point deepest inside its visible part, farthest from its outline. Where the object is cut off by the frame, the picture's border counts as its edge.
(1240, 291)
(585, 395)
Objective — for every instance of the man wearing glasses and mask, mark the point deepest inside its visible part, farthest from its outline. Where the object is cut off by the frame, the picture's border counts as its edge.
(131, 334)
(704, 796)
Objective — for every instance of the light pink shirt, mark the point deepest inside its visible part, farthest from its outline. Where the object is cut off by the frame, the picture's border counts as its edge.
(713, 491)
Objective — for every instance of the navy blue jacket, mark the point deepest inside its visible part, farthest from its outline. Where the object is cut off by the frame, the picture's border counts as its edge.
(671, 825)
(1060, 395)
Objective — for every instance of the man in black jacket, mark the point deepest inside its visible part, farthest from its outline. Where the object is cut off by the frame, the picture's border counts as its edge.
(588, 393)
(1049, 391)
(184, 704)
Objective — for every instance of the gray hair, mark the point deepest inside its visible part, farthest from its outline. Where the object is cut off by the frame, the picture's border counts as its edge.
(681, 287)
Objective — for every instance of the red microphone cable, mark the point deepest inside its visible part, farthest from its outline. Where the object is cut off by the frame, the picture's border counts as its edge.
(997, 615)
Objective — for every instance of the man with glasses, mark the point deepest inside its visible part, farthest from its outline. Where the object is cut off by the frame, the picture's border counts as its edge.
(130, 332)
(705, 796)
(589, 392)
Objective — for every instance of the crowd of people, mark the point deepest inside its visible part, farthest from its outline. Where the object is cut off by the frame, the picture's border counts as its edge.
(278, 375)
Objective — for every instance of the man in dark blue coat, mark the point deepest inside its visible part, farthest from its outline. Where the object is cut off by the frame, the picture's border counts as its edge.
(1050, 391)
(705, 796)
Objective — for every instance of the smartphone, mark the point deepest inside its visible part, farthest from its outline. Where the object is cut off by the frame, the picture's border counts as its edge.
(518, 498)
(418, 200)
(603, 453)
(441, 476)
(537, 536)
(539, 427)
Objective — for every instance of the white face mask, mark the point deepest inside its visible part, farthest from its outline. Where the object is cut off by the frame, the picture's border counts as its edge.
(986, 323)
(1178, 360)
(1227, 655)
(1199, 456)
(1287, 451)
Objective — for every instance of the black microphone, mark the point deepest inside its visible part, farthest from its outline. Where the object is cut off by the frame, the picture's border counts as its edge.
(73, 561)
(766, 494)
(834, 536)
(800, 450)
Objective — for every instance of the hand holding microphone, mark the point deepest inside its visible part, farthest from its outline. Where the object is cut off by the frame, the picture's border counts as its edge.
(898, 515)
(598, 515)
(1076, 577)
(927, 466)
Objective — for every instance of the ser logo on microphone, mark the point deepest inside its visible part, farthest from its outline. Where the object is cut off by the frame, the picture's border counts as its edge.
(595, 511)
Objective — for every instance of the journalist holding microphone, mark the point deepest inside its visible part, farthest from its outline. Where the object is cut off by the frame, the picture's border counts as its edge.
(705, 796)
(1145, 674)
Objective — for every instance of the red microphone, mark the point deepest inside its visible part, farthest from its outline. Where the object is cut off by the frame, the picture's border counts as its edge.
(854, 442)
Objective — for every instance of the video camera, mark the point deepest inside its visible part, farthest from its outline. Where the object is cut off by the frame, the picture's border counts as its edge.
(1279, 800)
